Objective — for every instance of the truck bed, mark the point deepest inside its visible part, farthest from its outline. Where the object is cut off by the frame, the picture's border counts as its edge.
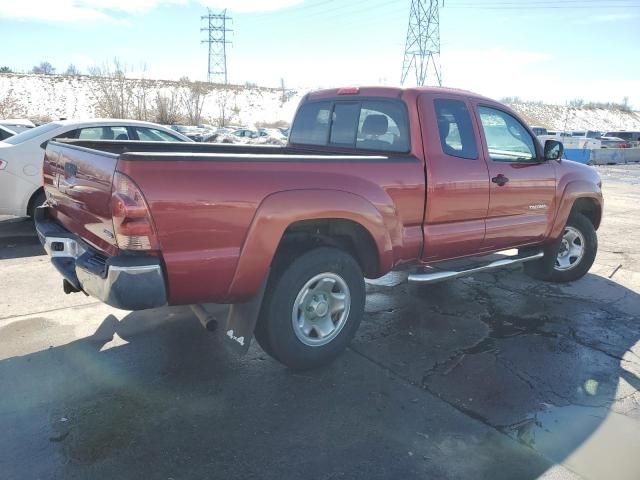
(207, 202)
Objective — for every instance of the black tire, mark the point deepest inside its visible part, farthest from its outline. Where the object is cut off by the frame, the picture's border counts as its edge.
(545, 268)
(38, 199)
(275, 331)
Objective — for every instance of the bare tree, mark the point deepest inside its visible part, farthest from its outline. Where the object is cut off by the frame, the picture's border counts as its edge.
(167, 108)
(227, 107)
(44, 68)
(114, 90)
(193, 95)
(10, 106)
(72, 70)
(283, 97)
(625, 104)
(141, 91)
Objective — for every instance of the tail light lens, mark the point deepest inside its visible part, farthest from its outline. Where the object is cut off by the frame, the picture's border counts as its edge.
(132, 223)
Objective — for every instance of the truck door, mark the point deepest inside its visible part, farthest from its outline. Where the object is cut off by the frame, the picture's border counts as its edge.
(523, 187)
(457, 196)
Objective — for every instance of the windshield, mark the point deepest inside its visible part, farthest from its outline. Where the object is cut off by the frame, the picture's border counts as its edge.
(32, 133)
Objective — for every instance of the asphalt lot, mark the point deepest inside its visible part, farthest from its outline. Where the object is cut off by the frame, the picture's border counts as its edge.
(491, 376)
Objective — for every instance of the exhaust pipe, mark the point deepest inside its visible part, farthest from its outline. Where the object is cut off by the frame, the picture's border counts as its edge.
(207, 320)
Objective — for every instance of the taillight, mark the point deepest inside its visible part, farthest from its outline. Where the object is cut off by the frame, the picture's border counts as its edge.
(132, 222)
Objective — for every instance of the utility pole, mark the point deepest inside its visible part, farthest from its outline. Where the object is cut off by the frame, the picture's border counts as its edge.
(422, 47)
(283, 98)
(216, 28)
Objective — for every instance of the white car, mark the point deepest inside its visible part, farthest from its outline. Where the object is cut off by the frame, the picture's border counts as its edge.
(21, 156)
(6, 133)
(18, 125)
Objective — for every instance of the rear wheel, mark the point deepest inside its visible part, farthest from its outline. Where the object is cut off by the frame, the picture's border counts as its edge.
(312, 308)
(569, 258)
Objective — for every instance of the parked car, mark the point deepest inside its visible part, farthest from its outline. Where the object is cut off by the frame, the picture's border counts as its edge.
(5, 133)
(372, 179)
(285, 131)
(272, 132)
(218, 134)
(18, 125)
(614, 142)
(539, 130)
(594, 134)
(197, 134)
(631, 137)
(248, 133)
(21, 155)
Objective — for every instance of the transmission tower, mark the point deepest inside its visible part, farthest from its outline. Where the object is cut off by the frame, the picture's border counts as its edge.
(422, 47)
(216, 28)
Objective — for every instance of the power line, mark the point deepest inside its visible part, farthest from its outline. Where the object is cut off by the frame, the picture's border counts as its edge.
(422, 46)
(540, 4)
(216, 28)
(322, 14)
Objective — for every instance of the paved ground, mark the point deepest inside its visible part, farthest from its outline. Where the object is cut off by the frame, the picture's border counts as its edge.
(494, 376)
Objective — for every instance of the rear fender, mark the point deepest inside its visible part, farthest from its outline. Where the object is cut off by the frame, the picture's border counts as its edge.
(279, 210)
(574, 191)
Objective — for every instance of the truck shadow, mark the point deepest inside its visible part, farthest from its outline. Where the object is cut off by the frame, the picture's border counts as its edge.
(18, 239)
(154, 394)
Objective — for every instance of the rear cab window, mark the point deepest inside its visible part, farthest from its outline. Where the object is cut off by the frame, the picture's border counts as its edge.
(376, 125)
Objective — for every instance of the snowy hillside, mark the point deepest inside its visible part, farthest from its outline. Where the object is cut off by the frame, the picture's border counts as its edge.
(55, 96)
(558, 117)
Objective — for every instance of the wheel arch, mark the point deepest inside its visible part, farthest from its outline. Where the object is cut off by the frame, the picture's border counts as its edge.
(588, 207)
(311, 217)
(578, 196)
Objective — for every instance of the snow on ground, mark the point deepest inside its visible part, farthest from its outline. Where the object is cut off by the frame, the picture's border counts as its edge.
(55, 96)
(558, 117)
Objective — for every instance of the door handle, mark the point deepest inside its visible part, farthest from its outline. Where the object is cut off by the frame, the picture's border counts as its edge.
(500, 179)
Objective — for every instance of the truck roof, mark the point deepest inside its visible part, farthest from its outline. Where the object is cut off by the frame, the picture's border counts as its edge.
(387, 92)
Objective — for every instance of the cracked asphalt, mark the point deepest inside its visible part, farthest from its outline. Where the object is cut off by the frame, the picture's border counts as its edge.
(492, 376)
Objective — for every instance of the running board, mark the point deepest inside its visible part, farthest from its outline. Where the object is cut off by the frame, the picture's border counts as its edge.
(442, 275)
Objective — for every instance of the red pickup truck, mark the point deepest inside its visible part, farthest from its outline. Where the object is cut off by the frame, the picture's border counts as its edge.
(372, 180)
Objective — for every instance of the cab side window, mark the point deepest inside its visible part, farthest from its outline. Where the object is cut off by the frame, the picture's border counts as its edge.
(507, 139)
(455, 129)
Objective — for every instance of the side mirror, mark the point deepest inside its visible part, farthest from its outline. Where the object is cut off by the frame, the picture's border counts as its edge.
(553, 150)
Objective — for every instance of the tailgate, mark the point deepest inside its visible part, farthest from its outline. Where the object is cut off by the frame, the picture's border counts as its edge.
(77, 182)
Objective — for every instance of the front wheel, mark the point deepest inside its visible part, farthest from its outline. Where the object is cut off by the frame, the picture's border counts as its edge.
(571, 257)
(312, 308)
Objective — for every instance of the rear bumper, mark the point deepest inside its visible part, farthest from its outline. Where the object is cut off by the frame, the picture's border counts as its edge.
(130, 282)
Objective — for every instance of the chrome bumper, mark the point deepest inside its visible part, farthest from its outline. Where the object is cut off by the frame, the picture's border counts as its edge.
(130, 282)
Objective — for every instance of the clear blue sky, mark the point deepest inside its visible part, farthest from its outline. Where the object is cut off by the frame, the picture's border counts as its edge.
(536, 49)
